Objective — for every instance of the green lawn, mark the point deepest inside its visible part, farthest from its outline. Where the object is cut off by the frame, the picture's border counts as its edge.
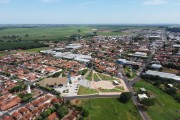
(96, 78)
(106, 77)
(110, 109)
(166, 108)
(89, 77)
(117, 89)
(46, 33)
(110, 33)
(34, 50)
(84, 91)
(2, 54)
(131, 72)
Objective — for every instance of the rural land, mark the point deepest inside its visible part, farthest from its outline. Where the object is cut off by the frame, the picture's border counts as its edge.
(89, 72)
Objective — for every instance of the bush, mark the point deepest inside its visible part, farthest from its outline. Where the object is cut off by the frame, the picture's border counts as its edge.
(85, 113)
(171, 91)
(177, 97)
(25, 97)
(62, 111)
(148, 101)
(125, 97)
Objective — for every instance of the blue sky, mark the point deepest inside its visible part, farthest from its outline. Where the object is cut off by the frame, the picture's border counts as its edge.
(89, 11)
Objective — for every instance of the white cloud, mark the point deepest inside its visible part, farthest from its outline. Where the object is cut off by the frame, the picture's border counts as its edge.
(49, 1)
(155, 2)
(4, 1)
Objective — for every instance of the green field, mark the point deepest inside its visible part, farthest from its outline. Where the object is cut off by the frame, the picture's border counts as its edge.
(110, 109)
(45, 33)
(116, 89)
(84, 91)
(110, 33)
(89, 77)
(166, 108)
(105, 77)
(34, 50)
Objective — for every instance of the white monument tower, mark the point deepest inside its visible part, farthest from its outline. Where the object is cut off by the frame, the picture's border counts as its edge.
(28, 89)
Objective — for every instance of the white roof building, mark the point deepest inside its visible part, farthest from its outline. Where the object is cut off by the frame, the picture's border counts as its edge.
(142, 96)
(140, 54)
(163, 75)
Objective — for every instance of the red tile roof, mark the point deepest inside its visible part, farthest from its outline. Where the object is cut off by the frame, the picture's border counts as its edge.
(52, 116)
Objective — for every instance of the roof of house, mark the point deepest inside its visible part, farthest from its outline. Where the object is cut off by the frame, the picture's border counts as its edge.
(52, 116)
(7, 118)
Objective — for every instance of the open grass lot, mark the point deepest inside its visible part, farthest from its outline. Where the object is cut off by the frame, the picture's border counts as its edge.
(110, 33)
(2, 54)
(173, 71)
(116, 89)
(34, 50)
(45, 33)
(84, 91)
(132, 73)
(89, 77)
(105, 77)
(110, 109)
(166, 108)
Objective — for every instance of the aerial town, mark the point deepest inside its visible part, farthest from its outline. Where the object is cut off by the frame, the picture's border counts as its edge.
(48, 83)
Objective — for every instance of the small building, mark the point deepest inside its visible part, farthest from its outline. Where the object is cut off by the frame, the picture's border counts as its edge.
(156, 66)
(140, 54)
(115, 82)
(170, 85)
(122, 61)
(142, 96)
(142, 89)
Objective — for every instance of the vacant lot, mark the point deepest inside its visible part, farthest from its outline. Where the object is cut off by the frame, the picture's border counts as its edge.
(34, 50)
(110, 109)
(166, 108)
(84, 91)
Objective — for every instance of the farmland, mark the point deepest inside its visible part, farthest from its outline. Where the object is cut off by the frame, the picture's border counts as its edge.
(47, 33)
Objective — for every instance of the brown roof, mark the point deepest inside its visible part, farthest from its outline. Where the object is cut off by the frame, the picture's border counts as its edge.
(53, 81)
(16, 114)
(7, 118)
(28, 115)
(8, 105)
(23, 110)
(52, 116)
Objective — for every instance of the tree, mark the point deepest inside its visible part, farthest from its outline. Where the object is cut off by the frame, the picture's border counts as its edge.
(148, 101)
(62, 111)
(85, 113)
(125, 97)
(171, 91)
(44, 114)
(177, 97)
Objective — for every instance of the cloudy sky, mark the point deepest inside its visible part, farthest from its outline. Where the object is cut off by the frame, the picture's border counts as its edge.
(89, 11)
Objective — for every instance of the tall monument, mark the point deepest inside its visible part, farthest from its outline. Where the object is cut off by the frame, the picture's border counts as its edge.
(28, 89)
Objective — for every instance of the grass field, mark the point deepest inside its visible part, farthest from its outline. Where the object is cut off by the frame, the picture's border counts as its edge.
(132, 73)
(84, 91)
(105, 77)
(89, 77)
(173, 71)
(110, 33)
(166, 108)
(117, 89)
(110, 109)
(47, 33)
(34, 50)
